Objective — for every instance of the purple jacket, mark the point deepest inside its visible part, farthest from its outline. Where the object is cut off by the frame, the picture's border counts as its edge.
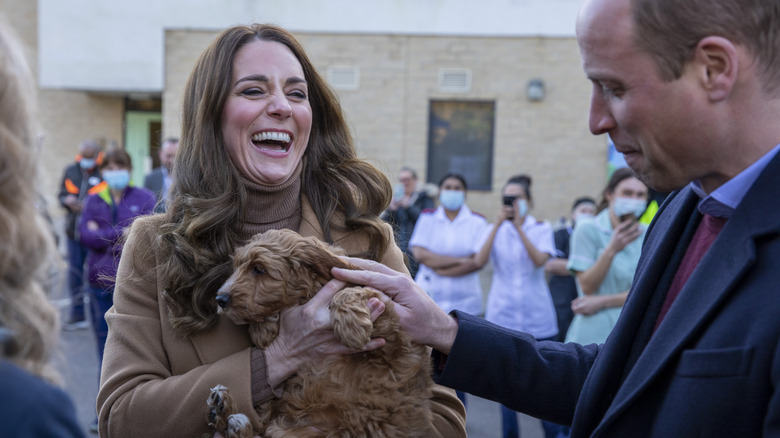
(104, 243)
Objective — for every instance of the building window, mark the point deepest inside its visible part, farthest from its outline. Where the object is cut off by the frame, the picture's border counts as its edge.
(460, 139)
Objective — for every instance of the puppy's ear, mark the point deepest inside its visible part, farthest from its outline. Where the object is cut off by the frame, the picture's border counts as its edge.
(317, 257)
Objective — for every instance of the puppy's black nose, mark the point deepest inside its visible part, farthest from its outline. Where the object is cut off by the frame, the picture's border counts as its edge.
(223, 300)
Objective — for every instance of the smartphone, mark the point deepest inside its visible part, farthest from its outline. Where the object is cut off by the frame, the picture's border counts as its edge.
(628, 216)
(509, 201)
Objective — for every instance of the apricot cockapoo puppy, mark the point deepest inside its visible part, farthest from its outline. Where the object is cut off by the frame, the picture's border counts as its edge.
(380, 393)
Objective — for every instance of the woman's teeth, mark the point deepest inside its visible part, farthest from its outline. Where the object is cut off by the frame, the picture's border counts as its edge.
(272, 140)
(273, 136)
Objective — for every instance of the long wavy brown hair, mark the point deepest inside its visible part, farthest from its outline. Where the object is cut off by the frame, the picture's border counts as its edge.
(28, 321)
(207, 207)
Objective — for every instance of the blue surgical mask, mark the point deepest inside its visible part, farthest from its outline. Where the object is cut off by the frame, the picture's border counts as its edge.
(522, 207)
(87, 163)
(117, 179)
(452, 199)
(632, 206)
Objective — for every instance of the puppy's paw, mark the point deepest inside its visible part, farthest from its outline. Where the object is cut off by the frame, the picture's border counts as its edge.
(239, 426)
(221, 406)
(351, 318)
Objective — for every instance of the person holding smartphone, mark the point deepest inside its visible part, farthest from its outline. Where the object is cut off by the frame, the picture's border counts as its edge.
(604, 255)
(519, 297)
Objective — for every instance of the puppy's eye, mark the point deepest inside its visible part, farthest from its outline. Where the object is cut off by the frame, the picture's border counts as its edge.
(259, 271)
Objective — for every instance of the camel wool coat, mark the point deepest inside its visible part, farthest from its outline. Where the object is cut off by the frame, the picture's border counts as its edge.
(154, 383)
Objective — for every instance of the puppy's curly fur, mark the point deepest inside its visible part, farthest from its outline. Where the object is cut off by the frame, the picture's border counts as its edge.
(380, 393)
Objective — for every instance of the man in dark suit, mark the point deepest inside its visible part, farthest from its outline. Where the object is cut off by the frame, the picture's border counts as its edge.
(689, 91)
(159, 179)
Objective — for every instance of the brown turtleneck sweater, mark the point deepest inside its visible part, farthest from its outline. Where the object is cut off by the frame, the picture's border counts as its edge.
(269, 208)
(272, 207)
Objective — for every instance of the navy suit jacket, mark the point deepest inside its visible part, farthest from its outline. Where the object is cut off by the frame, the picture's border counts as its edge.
(711, 369)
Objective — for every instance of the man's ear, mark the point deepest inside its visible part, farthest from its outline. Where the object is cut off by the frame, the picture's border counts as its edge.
(717, 61)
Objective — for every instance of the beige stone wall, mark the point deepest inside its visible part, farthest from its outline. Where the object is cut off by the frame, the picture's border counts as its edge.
(398, 77)
(65, 117)
(182, 48)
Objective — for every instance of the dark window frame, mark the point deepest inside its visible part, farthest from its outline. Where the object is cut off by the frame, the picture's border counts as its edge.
(461, 139)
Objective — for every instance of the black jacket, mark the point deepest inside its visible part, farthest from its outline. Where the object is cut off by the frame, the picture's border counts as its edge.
(79, 182)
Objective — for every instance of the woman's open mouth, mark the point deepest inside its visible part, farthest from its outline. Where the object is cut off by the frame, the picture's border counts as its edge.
(272, 141)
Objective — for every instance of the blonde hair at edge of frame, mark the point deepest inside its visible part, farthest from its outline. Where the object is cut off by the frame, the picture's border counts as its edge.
(27, 319)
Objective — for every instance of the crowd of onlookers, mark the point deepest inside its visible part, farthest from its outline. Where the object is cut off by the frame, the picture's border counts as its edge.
(566, 284)
(101, 202)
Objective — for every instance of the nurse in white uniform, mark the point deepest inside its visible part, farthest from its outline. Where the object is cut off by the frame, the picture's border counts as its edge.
(519, 299)
(444, 242)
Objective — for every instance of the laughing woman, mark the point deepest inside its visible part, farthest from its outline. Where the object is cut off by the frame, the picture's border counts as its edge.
(264, 146)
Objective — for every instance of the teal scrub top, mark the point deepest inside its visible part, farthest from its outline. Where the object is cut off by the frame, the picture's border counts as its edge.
(588, 241)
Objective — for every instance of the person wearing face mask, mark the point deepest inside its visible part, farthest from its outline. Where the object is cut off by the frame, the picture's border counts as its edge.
(519, 298)
(105, 217)
(604, 255)
(563, 288)
(444, 242)
(79, 180)
(404, 210)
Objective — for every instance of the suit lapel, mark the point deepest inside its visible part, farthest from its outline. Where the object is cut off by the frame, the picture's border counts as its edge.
(728, 259)
(731, 256)
(627, 340)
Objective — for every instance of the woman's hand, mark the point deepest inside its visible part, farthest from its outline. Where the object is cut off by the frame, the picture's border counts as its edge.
(587, 305)
(505, 213)
(420, 316)
(306, 335)
(624, 233)
(590, 304)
